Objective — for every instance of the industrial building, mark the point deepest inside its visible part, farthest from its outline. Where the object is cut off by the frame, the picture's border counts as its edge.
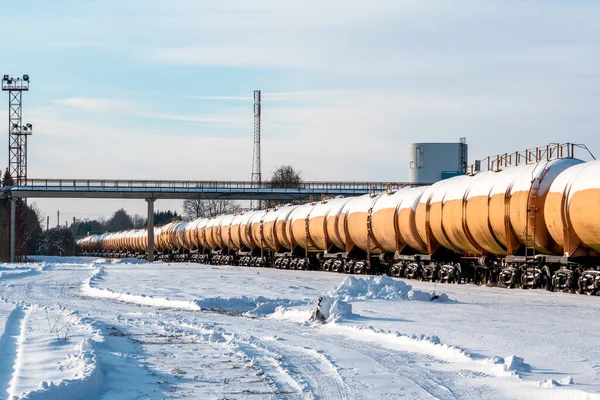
(431, 162)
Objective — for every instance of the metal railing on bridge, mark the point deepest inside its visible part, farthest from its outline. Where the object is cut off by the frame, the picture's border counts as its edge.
(181, 189)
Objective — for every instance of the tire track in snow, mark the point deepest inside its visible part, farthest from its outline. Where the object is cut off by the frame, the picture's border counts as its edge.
(425, 381)
(312, 368)
(290, 371)
(9, 348)
(275, 369)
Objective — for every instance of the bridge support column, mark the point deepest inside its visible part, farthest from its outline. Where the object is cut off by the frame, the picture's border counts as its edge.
(13, 230)
(150, 229)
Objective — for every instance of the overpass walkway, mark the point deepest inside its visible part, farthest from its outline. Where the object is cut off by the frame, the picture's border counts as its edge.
(232, 190)
(157, 190)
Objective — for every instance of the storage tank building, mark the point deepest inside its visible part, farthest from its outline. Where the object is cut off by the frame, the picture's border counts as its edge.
(431, 162)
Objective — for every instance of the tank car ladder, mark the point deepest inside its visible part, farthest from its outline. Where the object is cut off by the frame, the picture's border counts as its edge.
(530, 221)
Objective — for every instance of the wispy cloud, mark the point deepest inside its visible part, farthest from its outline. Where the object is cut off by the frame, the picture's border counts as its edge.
(225, 118)
(77, 44)
(226, 98)
(100, 105)
(238, 55)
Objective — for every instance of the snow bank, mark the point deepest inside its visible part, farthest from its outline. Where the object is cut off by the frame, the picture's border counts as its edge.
(335, 305)
(512, 365)
(129, 261)
(87, 377)
(516, 364)
(88, 289)
(51, 353)
(424, 344)
(17, 273)
(253, 306)
(333, 309)
(549, 383)
(295, 315)
(81, 261)
(380, 287)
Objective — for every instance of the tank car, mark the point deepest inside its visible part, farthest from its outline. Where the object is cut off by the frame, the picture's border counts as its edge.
(535, 224)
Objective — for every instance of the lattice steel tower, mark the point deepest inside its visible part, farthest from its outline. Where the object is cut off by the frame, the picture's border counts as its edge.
(17, 132)
(256, 168)
(17, 154)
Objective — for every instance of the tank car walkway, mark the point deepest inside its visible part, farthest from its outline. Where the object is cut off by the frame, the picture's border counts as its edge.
(157, 190)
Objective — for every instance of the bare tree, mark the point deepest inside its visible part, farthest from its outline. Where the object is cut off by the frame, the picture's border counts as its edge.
(286, 176)
(138, 221)
(196, 208)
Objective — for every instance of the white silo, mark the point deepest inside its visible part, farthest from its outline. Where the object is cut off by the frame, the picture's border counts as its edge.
(431, 162)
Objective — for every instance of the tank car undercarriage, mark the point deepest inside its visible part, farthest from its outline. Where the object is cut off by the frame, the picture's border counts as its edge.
(541, 272)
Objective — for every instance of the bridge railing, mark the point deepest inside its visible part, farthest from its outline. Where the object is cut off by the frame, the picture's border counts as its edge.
(182, 184)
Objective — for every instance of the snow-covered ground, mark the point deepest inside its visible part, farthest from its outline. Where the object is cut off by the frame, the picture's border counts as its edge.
(83, 328)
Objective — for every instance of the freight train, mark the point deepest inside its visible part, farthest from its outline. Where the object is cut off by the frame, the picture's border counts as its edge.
(532, 224)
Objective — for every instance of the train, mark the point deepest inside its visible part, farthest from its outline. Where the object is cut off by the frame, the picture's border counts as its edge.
(528, 224)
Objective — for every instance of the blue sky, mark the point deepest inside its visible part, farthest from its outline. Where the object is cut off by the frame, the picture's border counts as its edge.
(163, 90)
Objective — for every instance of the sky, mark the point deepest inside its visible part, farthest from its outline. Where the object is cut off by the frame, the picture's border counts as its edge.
(150, 89)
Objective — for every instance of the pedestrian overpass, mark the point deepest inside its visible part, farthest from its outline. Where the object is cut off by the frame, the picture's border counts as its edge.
(150, 191)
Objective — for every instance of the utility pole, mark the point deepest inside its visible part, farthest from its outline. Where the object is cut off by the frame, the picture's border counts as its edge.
(73, 235)
(47, 223)
(256, 163)
(58, 219)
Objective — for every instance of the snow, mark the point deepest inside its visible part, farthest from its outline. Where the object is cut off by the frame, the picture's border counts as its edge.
(586, 179)
(278, 213)
(301, 212)
(360, 204)
(139, 330)
(378, 287)
(554, 167)
(402, 199)
(51, 352)
(333, 207)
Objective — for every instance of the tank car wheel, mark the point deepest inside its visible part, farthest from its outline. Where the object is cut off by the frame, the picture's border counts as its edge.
(359, 268)
(395, 270)
(326, 266)
(523, 280)
(338, 266)
(349, 266)
(577, 281)
(512, 283)
(589, 282)
(294, 264)
(301, 264)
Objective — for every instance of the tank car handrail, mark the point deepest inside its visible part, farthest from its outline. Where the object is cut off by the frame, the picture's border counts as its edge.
(549, 152)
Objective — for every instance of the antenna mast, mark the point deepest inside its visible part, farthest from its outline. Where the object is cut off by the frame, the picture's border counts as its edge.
(256, 165)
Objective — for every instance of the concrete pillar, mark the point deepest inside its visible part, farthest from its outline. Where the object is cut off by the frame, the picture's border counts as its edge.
(13, 230)
(150, 230)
